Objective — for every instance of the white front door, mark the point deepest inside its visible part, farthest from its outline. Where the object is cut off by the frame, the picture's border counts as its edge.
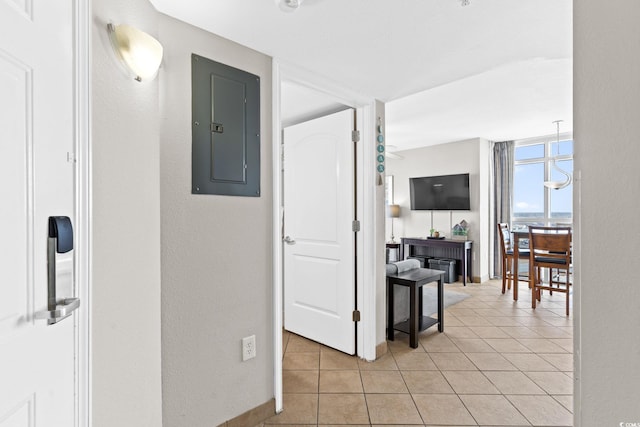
(319, 244)
(37, 367)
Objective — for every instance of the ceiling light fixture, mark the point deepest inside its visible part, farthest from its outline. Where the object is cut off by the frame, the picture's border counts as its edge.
(288, 5)
(138, 51)
(557, 185)
(465, 2)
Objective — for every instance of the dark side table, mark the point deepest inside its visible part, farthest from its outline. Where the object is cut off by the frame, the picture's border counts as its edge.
(414, 279)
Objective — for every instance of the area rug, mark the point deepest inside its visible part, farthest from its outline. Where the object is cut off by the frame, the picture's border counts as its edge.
(430, 299)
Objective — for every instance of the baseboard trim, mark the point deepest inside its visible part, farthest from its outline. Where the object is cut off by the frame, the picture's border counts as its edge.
(254, 416)
(381, 349)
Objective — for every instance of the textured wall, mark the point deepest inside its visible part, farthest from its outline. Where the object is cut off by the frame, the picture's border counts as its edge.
(606, 194)
(216, 253)
(125, 251)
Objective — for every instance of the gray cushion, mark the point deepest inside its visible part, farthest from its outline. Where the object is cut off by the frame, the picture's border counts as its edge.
(402, 266)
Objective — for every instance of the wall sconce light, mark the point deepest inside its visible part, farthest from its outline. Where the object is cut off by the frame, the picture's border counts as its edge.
(138, 51)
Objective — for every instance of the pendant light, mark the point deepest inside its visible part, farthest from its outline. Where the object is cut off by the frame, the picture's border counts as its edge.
(557, 185)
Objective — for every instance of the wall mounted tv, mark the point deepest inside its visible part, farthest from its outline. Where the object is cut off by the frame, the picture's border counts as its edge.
(440, 193)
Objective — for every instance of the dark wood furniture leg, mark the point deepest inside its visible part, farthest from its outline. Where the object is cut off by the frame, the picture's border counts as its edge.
(514, 270)
(390, 310)
(415, 317)
(440, 304)
(465, 269)
(468, 261)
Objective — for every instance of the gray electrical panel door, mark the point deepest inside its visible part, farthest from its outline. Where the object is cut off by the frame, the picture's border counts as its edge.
(225, 127)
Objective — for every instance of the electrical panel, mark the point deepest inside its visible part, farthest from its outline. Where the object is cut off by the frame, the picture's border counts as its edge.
(225, 129)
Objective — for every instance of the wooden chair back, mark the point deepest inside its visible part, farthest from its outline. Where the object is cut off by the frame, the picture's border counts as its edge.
(550, 246)
(505, 237)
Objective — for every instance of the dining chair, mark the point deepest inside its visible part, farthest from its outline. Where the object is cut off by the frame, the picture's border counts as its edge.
(561, 274)
(549, 248)
(506, 244)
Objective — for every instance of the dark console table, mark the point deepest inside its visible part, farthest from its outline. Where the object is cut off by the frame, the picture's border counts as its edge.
(460, 250)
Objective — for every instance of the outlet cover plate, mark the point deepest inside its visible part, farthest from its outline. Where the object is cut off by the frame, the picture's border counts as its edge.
(248, 348)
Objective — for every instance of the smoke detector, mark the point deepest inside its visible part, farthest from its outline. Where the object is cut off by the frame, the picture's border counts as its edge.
(289, 5)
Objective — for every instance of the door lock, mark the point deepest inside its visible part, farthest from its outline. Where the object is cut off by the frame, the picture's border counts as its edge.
(60, 241)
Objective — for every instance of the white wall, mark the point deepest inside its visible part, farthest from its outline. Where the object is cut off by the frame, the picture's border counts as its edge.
(606, 195)
(125, 251)
(216, 253)
(470, 156)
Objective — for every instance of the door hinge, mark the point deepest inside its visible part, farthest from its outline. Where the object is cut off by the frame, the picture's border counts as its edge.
(355, 226)
(282, 155)
(356, 315)
(355, 136)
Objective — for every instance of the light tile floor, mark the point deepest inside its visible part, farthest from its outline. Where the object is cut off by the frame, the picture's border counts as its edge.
(497, 363)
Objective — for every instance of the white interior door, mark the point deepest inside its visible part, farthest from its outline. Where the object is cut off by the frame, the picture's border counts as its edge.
(37, 367)
(319, 258)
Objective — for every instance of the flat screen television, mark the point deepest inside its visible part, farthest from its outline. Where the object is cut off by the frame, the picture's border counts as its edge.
(440, 193)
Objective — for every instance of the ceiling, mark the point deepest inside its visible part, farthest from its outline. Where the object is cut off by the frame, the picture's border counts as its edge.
(494, 69)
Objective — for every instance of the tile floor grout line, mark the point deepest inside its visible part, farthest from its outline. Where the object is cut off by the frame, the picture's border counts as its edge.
(407, 386)
(504, 395)
(318, 388)
(364, 393)
(537, 326)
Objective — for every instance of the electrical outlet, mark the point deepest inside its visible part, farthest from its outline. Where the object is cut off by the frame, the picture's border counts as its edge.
(248, 348)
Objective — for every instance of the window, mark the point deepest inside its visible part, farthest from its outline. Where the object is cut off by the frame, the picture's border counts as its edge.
(533, 203)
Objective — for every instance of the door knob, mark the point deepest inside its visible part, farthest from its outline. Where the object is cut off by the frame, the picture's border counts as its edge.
(289, 241)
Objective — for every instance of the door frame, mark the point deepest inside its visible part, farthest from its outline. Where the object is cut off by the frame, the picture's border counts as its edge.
(365, 161)
(82, 123)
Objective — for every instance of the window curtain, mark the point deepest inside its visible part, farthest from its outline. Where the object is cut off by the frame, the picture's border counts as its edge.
(503, 153)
